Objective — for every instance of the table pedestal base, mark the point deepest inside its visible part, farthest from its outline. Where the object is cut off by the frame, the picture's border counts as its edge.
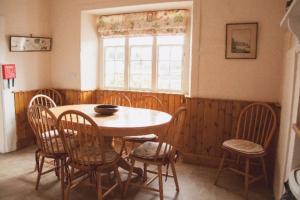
(122, 162)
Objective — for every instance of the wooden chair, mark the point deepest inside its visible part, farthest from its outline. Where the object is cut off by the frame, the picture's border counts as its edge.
(256, 127)
(159, 153)
(149, 102)
(53, 94)
(118, 98)
(43, 124)
(41, 100)
(87, 151)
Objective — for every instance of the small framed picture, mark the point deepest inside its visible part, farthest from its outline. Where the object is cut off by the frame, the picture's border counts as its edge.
(24, 43)
(241, 41)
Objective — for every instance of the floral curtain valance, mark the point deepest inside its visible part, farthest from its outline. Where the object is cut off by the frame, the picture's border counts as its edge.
(143, 23)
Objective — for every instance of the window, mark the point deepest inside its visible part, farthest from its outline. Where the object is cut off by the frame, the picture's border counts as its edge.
(114, 62)
(170, 62)
(140, 62)
(150, 63)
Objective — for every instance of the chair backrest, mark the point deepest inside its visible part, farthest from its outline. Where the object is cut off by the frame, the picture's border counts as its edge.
(43, 124)
(257, 123)
(86, 142)
(42, 100)
(150, 102)
(168, 141)
(117, 99)
(53, 94)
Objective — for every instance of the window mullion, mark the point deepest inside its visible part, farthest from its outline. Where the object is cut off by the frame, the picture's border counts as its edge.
(154, 65)
(126, 68)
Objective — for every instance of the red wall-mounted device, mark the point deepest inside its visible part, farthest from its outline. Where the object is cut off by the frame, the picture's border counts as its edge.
(9, 72)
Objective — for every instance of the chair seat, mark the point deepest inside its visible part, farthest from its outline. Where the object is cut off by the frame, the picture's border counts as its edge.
(93, 156)
(51, 134)
(55, 133)
(141, 138)
(243, 146)
(148, 150)
(55, 147)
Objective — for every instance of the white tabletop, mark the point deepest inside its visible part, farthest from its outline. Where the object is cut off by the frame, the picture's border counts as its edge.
(125, 122)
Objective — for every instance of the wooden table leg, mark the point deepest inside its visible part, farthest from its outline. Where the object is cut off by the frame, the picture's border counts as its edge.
(122, 162)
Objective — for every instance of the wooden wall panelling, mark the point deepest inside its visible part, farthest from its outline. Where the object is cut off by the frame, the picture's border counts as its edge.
(25, 136)
(200, 127)
(208, 123)
(188, 144)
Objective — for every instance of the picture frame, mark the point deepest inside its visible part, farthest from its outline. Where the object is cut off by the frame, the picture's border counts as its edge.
(29, 43)
(241, 40)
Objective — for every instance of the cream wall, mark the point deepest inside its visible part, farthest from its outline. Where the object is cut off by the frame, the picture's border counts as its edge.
(25, 17)
(89, 53)
(258, 79)
(21, 17)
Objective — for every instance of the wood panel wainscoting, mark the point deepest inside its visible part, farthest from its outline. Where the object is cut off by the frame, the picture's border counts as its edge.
(209, 122)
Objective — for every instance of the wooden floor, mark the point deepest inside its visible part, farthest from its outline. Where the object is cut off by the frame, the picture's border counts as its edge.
(17, 181)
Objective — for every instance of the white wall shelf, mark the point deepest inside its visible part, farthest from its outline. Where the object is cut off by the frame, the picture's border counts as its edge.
(291, 19)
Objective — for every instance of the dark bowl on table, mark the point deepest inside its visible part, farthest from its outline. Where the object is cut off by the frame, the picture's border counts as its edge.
(106, 109)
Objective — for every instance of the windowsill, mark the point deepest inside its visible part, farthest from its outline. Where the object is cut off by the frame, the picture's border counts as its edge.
(145, 91)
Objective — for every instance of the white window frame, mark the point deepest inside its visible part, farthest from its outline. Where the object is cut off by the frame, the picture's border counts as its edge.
(184, 74)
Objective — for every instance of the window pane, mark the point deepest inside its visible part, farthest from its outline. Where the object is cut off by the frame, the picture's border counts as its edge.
(114, 62)
(140, 67)
(141, 40)
(114, 53)
(164, 53)
(169, 65)
(114, 41)
(176, 53)
(114, 73)
(170, 39)
(141, 53)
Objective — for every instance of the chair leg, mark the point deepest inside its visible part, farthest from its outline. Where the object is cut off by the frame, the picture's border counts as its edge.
(67, 185)
(62, 176)
(145, 173)
(247, 169)
(99, 186)
(175, 175)
(122, 147)
(220, 167)
(67, 192)
(132, 145)
(56, 168)
(264, 170)
(129, 177)
(161, 192)
(36, 160)
(40, 170)
(119, 180)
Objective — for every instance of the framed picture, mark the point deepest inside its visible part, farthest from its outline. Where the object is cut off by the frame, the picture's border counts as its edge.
(24, 43)
(241, 41)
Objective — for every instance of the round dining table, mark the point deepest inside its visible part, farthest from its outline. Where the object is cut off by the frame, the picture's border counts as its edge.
(127, 121)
